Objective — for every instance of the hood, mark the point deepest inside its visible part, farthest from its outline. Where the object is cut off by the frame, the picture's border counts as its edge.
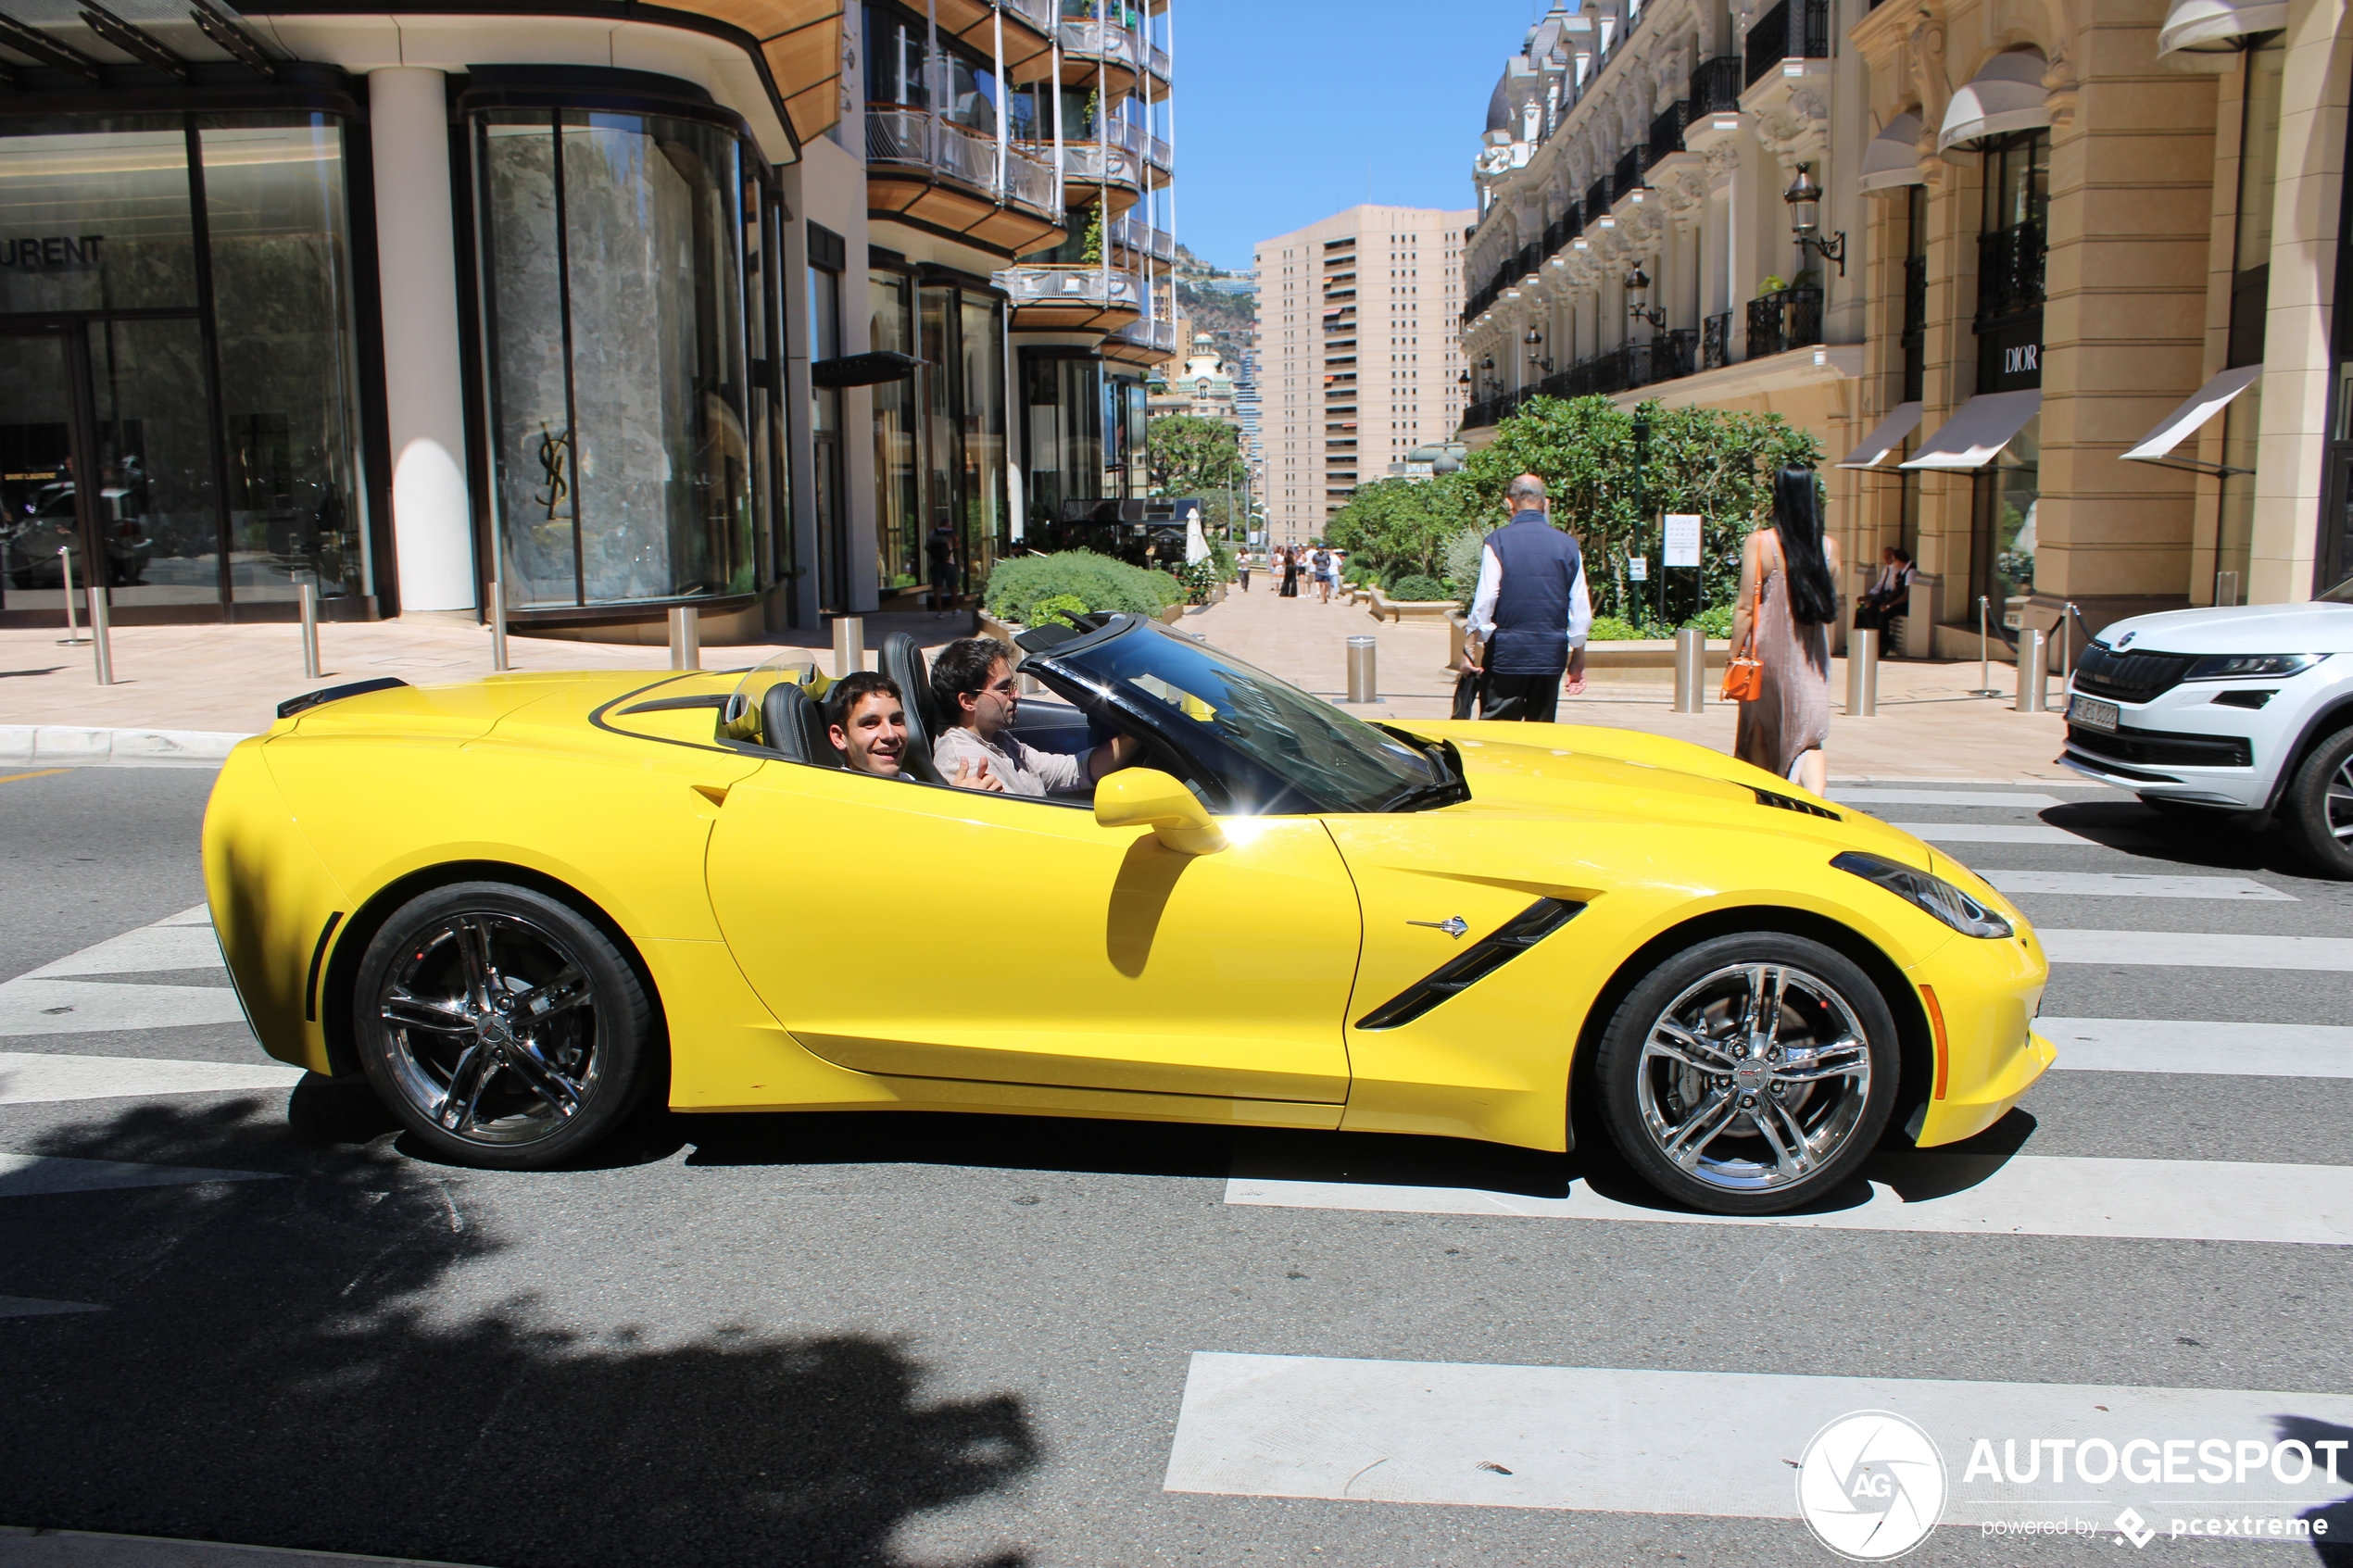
(1594, 774)
(2307, 627)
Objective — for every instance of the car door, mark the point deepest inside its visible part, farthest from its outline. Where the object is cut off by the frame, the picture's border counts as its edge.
(916, 931)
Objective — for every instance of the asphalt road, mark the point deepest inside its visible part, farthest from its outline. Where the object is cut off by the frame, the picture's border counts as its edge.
(936, 1340)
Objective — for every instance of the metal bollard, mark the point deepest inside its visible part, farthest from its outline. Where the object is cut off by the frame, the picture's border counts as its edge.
(849, 644)
(309, 632)
(73, 637)
(1361, 684)
(1862, 673)
(498, 627)
(99, 647)
(2034, 670)
(686, 638)
(1691, 671)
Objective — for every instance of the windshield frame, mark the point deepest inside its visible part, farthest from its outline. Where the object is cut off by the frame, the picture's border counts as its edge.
(1232, 778)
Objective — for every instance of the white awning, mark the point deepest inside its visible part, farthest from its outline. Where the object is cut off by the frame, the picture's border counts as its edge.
(2192, 23)
(1892, 160)
(1885, 437)
(2007, 95)
(2203, 404)
(1977, 432)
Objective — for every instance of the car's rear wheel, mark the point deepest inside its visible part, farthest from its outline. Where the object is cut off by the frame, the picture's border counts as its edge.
(1749, 1074)
(2317, 809)
(501, 1027)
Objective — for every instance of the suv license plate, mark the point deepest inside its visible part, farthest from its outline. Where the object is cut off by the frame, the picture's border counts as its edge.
(2092, 713)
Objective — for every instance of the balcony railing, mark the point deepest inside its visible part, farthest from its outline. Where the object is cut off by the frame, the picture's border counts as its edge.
(1716, 87)
(1716, 340)
(1038, 14)
(1784, 319)
(1160, 62)
(1159, 153)
(2009, 272)
(1046, 283)
(1133, 232)
(1127, 136)
(1628, 175)
(1666, 131)
(922, 139)
(1088, 163)
(1599, 195)
(1791, 29)
(1101, 41)
(1160, 334)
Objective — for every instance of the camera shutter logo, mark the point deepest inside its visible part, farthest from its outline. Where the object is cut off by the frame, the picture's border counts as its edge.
(1872, 1485)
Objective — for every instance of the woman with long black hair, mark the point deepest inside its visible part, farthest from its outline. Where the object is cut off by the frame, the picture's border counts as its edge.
(1788, 599)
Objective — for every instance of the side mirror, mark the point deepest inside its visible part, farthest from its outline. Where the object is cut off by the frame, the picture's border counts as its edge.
(1136, 797)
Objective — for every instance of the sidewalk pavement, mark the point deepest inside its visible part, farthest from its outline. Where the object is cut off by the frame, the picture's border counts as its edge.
(183, 692)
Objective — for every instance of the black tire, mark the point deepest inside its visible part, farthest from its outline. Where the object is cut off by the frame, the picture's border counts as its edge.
(1832, 1101)
(2317, 811)
(531, 1067)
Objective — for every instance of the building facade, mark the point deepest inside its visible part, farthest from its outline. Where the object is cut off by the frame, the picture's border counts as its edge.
(600, 309)
(2052, 284)
(1358, 361)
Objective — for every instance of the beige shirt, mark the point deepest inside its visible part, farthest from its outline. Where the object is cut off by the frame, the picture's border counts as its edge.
(1020, 768)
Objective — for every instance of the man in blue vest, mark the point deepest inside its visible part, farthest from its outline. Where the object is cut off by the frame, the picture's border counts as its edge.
(1531, 612)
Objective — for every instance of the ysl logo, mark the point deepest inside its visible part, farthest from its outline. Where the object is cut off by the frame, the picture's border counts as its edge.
(554, 450)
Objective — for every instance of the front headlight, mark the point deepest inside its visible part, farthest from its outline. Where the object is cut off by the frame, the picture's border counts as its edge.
(1935, 895)
(2251, 666)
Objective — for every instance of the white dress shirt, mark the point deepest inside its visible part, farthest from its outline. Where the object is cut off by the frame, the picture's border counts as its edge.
(1490, 583)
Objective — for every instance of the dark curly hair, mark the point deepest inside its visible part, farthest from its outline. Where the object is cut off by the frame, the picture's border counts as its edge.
(962, 667)
(850, 691)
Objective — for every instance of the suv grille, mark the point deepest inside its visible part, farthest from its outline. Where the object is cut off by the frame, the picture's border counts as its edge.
(2130, 677)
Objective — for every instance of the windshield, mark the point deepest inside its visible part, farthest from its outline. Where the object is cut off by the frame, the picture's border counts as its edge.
(1272, 745)
(740, 720)
(2340, 595)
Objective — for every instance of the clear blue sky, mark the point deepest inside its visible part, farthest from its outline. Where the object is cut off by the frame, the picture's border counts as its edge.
(1288, 110)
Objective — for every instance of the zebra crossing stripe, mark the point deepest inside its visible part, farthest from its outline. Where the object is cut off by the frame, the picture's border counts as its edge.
(1940, 1194)
(2135, 884)
(1707, 1443)
(38, 1175)
(32, 1078)
(29, 1307)
(83, 1007)
(2005, 800)
(2197, 950)
(181, 941)
(1992, 832)
(2148, 1045)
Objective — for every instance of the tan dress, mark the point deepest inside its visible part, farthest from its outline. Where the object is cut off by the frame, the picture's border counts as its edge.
(1793, 714)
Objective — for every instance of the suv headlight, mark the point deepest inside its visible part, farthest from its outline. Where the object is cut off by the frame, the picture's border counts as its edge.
(2251, 666)
(1935, 895)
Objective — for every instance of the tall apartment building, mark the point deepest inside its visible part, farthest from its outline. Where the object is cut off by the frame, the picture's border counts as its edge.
(1358, 354)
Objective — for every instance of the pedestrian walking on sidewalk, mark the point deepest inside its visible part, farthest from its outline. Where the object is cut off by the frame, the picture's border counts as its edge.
(1530, 614)
(1241, 569)
(1289, 559)
(1788, 599)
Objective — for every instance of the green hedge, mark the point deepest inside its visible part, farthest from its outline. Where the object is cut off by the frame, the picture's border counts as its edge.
(1417, 588)
(1098, 582)
(1610, 629)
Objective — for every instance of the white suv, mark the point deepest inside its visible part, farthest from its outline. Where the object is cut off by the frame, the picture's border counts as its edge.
(2245, 709)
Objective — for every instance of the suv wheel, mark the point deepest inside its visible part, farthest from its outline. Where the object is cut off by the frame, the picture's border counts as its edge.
(2317, 809)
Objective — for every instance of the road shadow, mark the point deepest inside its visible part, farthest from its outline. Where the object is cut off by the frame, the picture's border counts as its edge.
(2336, 1549)
(300, 1362)
(2219, 842)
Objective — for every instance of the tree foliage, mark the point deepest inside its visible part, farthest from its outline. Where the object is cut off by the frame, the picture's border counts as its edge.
(1400, 527)
(1187, 455)
(1715, 462)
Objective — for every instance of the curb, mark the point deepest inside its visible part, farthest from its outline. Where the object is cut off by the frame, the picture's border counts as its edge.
(74, 745)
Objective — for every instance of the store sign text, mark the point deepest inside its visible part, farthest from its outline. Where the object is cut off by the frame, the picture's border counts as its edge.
(2023, 360)
(56, 250)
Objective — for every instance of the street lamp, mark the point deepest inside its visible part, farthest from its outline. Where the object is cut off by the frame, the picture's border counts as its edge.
(1805, 199)
(1535, 341)
(1637, 289)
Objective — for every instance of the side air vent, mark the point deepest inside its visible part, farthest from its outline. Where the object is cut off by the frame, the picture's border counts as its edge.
(1788, 803)
(1474, 962)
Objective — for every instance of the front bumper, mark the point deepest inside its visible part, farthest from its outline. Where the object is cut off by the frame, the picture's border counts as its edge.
(1985, 994)
(2183, 745)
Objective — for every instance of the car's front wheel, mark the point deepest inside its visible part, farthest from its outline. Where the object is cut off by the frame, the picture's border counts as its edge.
(1750, 1073)
(2317, 809)
(501, 1027)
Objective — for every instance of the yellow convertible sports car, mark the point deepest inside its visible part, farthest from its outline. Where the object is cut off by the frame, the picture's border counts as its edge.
(522, 904)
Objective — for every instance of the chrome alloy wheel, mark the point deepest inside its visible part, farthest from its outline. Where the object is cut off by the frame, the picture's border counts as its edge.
(493, 1024)
(2339, 803)
(1754, 1077)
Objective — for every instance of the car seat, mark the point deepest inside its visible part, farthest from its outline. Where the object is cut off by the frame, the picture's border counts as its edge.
(902, 660)
(792, 724)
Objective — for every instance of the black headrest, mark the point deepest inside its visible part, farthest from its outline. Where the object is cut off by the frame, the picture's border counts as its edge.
(790, 723)
(902, 659)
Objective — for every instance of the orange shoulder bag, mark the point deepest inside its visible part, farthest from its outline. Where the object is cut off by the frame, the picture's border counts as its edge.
(1744, 676)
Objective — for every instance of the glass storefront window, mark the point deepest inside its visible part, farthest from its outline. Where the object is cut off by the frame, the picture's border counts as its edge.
(984, 521)
(1064, 400)
(898, 545)
(2002, 558)
(276, 220)
(2018, 181)
(200, 425)
(97, 217)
